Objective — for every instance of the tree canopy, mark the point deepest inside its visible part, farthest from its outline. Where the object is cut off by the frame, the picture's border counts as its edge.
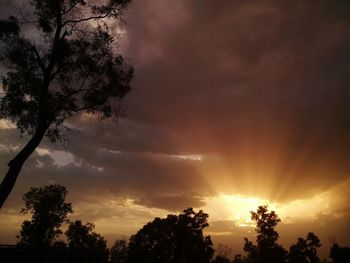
(49, 211)
(305, 250)
(65, 64)
(339, 254)
(119, 251)
(267, 250)
(81, 235)
(172, 239)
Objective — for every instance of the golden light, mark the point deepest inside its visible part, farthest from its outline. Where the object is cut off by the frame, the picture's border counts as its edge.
(233, 207)
(237, 208)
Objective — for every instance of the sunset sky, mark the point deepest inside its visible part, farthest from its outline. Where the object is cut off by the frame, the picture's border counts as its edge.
(234, 104)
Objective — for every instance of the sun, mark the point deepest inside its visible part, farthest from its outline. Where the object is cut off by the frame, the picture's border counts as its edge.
(234, 208)
(237, 208)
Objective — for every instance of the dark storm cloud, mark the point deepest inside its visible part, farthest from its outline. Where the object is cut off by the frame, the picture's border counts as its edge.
(263, 83)
(245, 59)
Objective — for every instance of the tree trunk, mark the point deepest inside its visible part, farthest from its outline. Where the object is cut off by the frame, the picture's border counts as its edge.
(15, 165)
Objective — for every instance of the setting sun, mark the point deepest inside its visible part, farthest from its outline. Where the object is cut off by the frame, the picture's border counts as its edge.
(233, 207)
(237, 208)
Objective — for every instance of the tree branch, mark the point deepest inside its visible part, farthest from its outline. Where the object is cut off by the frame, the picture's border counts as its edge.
(91, 107)
(69, 9)
(79, 89)
(39, 60)
(85, 19)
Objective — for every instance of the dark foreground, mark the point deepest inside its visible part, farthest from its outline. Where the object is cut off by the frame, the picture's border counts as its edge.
(13, 254)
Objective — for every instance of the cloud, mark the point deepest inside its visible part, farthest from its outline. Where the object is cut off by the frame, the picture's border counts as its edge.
(262, 87)
(259, 89)
(172, 203)
(229, 97)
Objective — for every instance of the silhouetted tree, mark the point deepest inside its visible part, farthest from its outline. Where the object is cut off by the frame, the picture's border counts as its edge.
(267, 250)
(238, 259)
(305, 250)
(172, 239)
(222, 251)
(221, 259)
(49, 211)
(252, 251)
(69, 66)
(339, 254)
(82, 236)
(118, 252)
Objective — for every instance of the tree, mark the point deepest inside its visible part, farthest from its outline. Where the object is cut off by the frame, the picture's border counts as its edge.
(82, 236)
(238, 259)
(222, 251)
(267, 249)
(118, 252)
(221, 259)
(68, 67)
(339, 254)
(305, 250)
(172, 239)
(49, 211)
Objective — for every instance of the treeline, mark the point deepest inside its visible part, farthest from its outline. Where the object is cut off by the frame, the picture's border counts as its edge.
(174, 239)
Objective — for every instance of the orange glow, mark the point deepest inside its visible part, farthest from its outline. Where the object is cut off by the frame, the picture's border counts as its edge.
(237, 208)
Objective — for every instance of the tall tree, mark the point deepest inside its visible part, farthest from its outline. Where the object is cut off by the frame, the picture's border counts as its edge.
(65, 65)
(172, 239)
(49, 211)
(267, 250)
(305, 250)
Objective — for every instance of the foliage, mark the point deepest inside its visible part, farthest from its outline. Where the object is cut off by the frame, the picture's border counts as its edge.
(176, 238)
(49, 211)
(63, 64)
(267, 250)
(82, 236)
(339, 254)
(238, 259)
(77, 69)
(222, 251)
(118, 252)
(305, 250)
(172, 239)
(220, 259)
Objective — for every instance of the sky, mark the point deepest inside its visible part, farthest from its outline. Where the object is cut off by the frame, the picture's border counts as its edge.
(234, 104)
